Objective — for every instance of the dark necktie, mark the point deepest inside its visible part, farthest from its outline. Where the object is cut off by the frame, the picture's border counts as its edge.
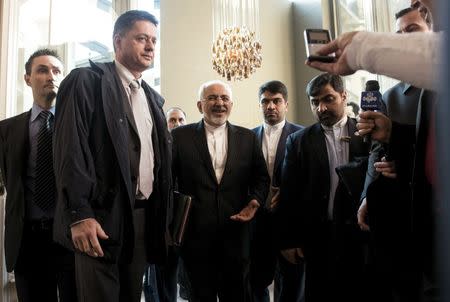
(430, 149)
(44, 180)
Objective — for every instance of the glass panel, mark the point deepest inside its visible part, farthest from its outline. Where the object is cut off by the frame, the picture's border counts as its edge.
(57, 24)
(153, 75)
(376, 15)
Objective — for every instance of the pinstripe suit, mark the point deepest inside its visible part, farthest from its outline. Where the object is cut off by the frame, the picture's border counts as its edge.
(216, 249)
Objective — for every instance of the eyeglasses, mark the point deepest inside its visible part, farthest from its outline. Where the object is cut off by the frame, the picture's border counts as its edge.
(215, 97)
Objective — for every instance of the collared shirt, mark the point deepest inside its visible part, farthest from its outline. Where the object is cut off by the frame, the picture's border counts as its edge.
(32, 210)
(146, 162)
(270, 141)
(217, 138)
(338, 152)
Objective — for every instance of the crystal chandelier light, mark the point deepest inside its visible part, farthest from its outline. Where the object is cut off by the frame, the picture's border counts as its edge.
(236, 48)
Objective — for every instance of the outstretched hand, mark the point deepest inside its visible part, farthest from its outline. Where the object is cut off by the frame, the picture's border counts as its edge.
(247, 213)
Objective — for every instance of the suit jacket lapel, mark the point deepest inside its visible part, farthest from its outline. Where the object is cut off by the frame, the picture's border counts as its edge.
(202, 146)
(319, 148)
(232, 143)
(259, 134)
(113, 102)
(22, 143)
(281, 148)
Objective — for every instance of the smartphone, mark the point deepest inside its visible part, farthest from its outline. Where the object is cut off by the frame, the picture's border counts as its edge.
(314, 40)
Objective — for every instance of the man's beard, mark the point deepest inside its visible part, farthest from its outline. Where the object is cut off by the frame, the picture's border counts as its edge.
(327, 119)
(51, 96)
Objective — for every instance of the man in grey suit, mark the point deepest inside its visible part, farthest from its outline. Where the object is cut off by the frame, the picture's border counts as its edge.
(222, 167)
(388, 197)
(113, 167)
(42, 267)
(267, 261)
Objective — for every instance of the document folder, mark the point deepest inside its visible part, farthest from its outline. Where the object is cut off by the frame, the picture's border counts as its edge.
(181, 207)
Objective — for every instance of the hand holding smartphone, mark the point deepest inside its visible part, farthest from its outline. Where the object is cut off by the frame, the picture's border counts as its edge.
(314, 40)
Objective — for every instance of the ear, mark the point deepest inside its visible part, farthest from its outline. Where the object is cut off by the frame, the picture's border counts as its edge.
(344, 96)
(27, 77)
(287, 106)
(116, 40)
(199, 107)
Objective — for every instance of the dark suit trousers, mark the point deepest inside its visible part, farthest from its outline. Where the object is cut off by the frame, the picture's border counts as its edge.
(213, 274)
(44, 267)
(268, 264)
(334, 264)
(102, 281)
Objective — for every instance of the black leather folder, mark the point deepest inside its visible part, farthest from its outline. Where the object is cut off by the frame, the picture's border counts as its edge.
(182, 204)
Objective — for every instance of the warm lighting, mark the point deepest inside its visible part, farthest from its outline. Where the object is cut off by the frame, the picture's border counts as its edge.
(236, 48)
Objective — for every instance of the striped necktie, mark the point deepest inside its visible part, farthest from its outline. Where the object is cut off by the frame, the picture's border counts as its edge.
(44, 180)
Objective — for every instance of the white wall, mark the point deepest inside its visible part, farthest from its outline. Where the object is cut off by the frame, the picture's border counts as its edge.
(186, 31)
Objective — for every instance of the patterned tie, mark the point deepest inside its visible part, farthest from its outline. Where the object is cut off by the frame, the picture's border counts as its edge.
(44, 180)
(144, 124)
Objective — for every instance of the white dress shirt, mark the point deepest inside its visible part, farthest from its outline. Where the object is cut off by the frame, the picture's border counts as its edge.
(217, 138)
(144, 123)
(270, 141)
(338, 152)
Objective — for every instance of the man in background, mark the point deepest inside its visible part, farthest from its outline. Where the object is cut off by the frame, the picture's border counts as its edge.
(267, 262)
(388, 195)
(175, 117)
(42, 268)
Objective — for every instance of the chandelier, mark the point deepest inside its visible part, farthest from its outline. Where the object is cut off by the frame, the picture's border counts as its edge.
(236, 50)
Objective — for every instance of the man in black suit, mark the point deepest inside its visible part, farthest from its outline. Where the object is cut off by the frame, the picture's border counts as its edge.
(387, 196)
(113, 167)
(267, 262)
(316, 215)
(222, 167)
(42, 267)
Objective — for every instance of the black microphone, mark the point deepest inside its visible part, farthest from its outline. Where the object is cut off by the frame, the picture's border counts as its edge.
(371, 99)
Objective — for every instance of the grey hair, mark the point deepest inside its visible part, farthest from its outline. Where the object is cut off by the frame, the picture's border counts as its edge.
(204, 86)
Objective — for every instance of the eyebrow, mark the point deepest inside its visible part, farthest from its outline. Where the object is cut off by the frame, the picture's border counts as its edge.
(316, 98)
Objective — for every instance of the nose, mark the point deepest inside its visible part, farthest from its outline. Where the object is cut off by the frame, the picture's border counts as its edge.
(150, 45)
(51, 75)
(219, 101)
(271, 105)
(176, 124)
(322, 107)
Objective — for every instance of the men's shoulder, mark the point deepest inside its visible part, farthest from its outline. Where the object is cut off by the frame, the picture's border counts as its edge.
(292, 127)
(242, 130)
(12, 121)
(304, 133)
(257, 129)
(400, 90)
(183, 130)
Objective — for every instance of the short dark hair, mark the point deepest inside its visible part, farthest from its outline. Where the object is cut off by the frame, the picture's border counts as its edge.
(423, 13)
(39, 53)
(274, 87)
(316, 84)
(126, 21)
